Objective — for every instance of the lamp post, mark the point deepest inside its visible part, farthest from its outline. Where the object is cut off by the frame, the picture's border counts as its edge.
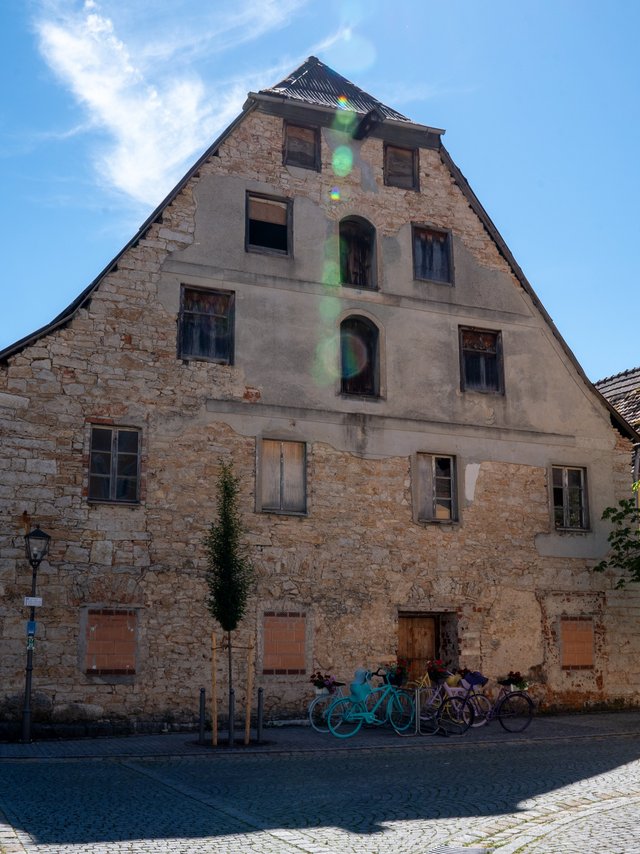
(36, 546)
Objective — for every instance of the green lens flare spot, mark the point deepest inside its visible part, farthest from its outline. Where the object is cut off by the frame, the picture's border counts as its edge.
(329, 309)
(342, 161)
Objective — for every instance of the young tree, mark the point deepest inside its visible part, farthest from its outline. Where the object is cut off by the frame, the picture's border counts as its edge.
(624, 539)
(229, 570)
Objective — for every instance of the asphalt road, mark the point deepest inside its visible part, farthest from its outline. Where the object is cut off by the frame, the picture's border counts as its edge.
(576, 791)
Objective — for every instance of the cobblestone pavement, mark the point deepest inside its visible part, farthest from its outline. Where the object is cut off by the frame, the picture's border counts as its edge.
(571, 791)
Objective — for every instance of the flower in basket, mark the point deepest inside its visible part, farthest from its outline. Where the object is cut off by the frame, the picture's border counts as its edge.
(516, 679)
(398, 672)
(323, 680)
(436, 670)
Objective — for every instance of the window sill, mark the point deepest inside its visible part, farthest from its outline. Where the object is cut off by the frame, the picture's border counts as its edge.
(302, 514)
(267, 250)
(373, 398)
(114, 501)
(450, 522)
(185, 359)
(368, 288)
(572, 530)
(494, 391)
(420, 280)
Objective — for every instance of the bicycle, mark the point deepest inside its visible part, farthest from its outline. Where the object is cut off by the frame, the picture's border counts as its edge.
(513, 709)
(442, 709)
(319, 707)
(366, 705)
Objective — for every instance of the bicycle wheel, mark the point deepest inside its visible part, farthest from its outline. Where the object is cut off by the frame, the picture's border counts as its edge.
(428, 708)
(379, 712)
(455, 716)
(515, 712)
(481, 709)
(344, 717)
(401, 710)
(317, 712)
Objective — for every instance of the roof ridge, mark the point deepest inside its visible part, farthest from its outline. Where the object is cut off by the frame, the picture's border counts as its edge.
(618, 376)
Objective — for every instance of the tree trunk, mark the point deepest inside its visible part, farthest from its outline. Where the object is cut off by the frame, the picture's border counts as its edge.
(229, 652)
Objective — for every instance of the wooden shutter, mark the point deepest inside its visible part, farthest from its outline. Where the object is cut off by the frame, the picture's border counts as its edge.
(270, 471)
(293, 476)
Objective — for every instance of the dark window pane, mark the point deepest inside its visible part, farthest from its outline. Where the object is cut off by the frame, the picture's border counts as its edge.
(99, 488)
(268, 223)
(431, 255)
(127, 465)
(206, 325)
(358, 351)
(473, 371)
(101, 439)
(128, 441)
(356, 253)
(557, 477)
(126, 489)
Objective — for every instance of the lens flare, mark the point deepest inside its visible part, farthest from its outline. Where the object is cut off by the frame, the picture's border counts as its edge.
(329, 309)
(354, 355)
(334, 194)
(331, 274)
(343, 103)
(325, 368)
(342, 161)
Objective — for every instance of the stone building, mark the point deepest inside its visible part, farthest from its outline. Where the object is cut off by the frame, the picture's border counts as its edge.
(623, 392)
(323, 301)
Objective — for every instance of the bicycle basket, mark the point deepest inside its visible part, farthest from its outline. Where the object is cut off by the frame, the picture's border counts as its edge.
(360, 688)
(474, 678)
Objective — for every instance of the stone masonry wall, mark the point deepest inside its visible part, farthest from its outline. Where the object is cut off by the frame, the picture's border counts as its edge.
(355, 559)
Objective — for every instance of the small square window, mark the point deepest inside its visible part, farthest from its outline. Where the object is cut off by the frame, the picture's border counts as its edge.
(401, 167)
(576, 643)
(206, 325)
(301, 146)
(436, 488)
(570, 510)
(481, 360)
(268, 224)
(284, 642)
(432, 255)
(283, 476)
(114, 464)
(111, 642)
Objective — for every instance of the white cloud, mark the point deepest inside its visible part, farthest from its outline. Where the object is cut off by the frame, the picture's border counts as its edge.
(154, 109)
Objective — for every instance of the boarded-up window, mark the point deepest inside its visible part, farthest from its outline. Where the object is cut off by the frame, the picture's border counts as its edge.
(301, 146)
(111, 642)
(359, 367)
(207, 325)
(114, 464)
(436, 488)
(284, 636)
(283, 476)
(401, 167)
(481, 360)
(576, 643)
(268, 224)
(357, 244)
(569, 498)
(432, 255)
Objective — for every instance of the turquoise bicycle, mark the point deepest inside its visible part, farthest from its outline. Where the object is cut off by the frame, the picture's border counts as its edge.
(366, 705)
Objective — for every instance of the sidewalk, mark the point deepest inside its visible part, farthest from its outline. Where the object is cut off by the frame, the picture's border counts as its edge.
(302, 739)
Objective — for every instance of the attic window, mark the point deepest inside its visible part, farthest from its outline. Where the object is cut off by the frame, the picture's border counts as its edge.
(301, 147)
(401, 167)
(432, 255)
(268, 224)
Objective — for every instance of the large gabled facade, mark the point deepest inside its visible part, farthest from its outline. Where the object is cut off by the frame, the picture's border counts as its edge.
(323, 301)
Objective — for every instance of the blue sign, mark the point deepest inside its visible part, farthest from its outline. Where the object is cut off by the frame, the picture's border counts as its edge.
(31, 628)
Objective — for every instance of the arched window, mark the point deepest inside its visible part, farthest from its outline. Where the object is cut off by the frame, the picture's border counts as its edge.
(357, 248)
(359, 364)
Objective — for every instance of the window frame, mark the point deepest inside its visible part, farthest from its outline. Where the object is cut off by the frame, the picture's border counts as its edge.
(115, 430)
(287, 203)
(417, 228)
(499, 355)
(281, 510)
(286, 153)
(366, 322)
(415, 176)
(367, 231)
(425, 497)
(231, 323)
(585, 525)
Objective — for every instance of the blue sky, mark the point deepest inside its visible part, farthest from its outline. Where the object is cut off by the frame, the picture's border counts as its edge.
(106, 103)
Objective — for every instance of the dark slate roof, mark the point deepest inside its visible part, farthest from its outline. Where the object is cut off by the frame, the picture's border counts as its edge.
(315, 83)
(623, 392)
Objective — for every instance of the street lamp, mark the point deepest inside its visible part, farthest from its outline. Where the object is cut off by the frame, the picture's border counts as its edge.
(36, 546)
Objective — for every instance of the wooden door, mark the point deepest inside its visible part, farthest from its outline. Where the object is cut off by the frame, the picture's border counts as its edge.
(417, 641)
